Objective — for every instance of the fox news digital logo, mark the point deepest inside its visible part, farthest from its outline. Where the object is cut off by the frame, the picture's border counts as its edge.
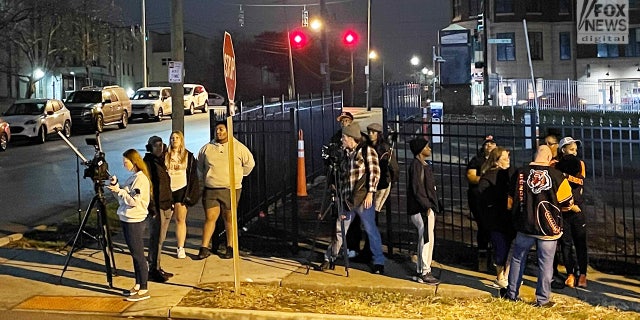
(603, 21)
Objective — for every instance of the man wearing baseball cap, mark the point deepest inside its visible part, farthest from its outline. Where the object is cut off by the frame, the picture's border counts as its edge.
(345, 119)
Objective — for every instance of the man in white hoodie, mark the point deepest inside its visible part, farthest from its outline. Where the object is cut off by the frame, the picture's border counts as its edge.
(213, 165)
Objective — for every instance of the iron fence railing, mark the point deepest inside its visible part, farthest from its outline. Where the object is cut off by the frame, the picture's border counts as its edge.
(610, 149)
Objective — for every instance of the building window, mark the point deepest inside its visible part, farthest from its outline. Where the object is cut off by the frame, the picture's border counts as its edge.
(165, 61)
(506, 51)
(534, 6)
(475, 7)
(565, 46)
(504, 6)
(607, 50)
(633, 48)
(564, 7)
(535, 43)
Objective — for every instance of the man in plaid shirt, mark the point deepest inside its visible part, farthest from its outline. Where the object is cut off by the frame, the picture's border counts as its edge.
(360, 174)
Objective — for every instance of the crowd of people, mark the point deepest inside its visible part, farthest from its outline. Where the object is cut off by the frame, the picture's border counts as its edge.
(514, 208)
(162, 186)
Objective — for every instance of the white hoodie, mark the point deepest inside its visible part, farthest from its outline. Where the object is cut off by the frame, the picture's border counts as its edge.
(133, 198)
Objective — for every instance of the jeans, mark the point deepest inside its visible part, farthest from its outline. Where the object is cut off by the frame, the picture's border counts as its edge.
(501, 243)
(158, 227)
(425, 250)
(134, 237)
(546, 250)
(369, 222)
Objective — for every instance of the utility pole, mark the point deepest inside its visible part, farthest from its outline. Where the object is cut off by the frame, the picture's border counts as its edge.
(145, 81)
(326, 70)
(485, 49)
(368, 69)
(177, 48)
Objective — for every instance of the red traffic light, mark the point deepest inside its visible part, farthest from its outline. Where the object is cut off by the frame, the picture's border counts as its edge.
(298, 39)
(350, 38)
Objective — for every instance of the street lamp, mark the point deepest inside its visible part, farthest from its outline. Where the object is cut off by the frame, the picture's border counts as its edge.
(74, 80)
(415, 61)
(435, 59)
(374, 56)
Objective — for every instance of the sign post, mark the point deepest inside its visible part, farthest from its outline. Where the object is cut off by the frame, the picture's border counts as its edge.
(229, 62)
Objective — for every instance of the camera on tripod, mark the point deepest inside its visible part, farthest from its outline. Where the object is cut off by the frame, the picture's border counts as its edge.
(97, 168)
(332, 154)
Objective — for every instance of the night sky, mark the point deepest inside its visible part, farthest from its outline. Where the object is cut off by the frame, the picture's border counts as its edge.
(399, 28)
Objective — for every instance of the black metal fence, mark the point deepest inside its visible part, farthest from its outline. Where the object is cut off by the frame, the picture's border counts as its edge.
(610, 151)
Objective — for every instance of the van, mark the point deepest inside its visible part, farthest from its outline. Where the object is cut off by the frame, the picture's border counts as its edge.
(151, 103)
(95, 107)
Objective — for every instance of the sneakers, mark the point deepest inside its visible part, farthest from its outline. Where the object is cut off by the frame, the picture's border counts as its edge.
(156, 276)
(165, 274)
(352, 254)
(546, 305)
(181, 253)
(378, 269)
(130, 292)
(138, 296)
(427, 278)
(203, 253)
(228, 254)
(582, 281)
(501, 282)
(571, 281)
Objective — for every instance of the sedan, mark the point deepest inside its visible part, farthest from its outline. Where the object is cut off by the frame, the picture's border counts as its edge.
(216, 99)
(5, 134)
(37, 118)
(559, 100)
(195, 97)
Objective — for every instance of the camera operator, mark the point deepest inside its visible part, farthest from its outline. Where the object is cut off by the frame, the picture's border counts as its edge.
(359, 176)
(133, 199)
(160, 211)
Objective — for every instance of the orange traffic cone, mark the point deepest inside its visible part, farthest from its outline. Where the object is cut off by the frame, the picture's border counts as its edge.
(302, 176)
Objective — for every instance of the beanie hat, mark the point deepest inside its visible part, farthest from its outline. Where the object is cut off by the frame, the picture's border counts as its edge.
(375, 127)
(352, 130)
(153, 140)
(416, 145)
(543, 156)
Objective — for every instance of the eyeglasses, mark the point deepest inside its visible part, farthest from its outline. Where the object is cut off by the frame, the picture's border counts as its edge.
(550, 143)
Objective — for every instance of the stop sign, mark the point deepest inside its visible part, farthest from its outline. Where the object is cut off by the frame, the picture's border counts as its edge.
(229, 61)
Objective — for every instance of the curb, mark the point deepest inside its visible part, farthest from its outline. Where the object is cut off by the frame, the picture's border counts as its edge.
(10, 238)
(205, 313)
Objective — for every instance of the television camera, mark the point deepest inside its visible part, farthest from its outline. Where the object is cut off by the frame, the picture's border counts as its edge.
(98, 170)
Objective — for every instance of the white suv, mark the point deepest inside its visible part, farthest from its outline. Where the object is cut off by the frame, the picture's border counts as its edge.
(151, 103)
(195, 97)
(38, 118)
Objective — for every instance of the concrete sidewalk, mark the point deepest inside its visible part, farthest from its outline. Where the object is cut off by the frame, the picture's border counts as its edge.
(30, 282)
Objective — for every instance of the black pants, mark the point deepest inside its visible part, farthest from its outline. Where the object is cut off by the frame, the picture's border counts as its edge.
(574, 235)
(483, 236)
(134, 237)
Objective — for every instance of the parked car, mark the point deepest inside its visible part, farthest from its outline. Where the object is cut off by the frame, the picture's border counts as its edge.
(560, 100)
(151, 103)
(216, 99)
(94, 107)
(37, 118)
(5, 134)
(195, 97)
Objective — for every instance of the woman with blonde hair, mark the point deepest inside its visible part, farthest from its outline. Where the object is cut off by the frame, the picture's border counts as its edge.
(133, 199)
(185, 188)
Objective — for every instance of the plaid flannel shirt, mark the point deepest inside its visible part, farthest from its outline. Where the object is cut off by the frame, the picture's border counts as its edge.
(354, 168)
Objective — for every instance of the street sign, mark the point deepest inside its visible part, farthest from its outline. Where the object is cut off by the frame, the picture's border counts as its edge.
(229, 61)
(499, 41)
(175, 71)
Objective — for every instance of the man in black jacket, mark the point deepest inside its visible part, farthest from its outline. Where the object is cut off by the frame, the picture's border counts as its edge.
(160, 211)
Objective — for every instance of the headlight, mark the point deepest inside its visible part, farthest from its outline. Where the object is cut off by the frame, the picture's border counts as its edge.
(30, 122)
(86, 112)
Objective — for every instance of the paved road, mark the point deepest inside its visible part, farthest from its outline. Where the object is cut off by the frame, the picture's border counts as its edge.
(38, 183)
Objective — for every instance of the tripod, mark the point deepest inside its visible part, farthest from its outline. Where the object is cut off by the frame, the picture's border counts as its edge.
(335, 202)
(103, 237)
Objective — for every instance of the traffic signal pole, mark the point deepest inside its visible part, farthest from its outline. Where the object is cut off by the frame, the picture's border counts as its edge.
(293, 80)
(326, 83)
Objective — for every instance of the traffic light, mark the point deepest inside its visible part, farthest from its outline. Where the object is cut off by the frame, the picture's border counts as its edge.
(350, 38)
(298, 39)
(480, 22)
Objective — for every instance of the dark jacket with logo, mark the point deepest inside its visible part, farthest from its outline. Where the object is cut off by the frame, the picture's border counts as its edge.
(421, 190)
(539, 193)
